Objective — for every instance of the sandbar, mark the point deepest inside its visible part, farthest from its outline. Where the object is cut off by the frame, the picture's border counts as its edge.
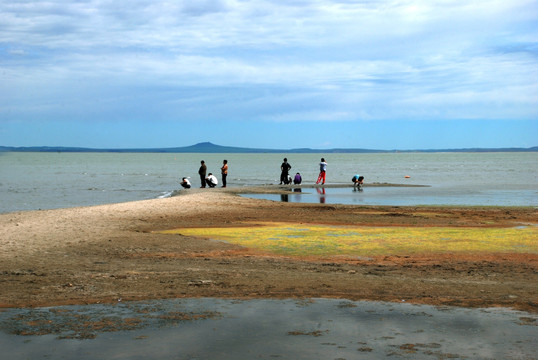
(118, 252)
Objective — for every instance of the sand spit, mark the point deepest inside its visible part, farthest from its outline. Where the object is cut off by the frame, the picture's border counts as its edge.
(114, 252)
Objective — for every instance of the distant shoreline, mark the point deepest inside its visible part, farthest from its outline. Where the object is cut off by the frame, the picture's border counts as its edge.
(207, 147)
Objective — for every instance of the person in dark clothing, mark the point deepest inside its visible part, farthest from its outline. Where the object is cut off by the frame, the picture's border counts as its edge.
(284, 168)
(202, 172)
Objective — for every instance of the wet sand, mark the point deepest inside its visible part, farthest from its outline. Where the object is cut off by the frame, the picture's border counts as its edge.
(107, 253)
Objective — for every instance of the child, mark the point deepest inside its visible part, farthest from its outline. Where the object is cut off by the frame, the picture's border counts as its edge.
(297, 179)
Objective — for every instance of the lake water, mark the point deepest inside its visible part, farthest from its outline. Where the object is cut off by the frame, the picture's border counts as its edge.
(266, 329)
(30, 181)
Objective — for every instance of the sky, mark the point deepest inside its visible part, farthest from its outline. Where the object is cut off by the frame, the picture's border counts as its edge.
(276, 74)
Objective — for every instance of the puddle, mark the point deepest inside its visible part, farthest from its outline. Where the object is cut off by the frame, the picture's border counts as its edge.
(402, 196)
(211, 328)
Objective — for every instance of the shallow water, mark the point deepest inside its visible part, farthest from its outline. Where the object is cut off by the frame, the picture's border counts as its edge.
(401, 196)
(266, 329)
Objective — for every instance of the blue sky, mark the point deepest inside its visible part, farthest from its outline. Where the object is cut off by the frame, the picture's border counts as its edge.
(403, 74)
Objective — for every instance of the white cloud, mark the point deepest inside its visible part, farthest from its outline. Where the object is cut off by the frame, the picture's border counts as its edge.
(347, 59)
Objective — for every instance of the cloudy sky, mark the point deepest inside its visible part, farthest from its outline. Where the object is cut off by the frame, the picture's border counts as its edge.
(379, 74)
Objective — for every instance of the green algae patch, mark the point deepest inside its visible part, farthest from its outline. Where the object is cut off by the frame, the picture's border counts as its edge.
(325, 240)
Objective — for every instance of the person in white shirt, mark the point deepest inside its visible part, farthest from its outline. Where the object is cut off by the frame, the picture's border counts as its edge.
(211, 180)
(322, 172)
(185, 183)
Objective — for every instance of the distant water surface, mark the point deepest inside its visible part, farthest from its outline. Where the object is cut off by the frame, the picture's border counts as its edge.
(30, 181)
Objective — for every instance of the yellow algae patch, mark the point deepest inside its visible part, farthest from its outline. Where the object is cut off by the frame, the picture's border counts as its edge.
(308, 239)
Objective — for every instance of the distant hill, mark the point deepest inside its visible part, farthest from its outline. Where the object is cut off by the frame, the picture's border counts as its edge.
(207, 147)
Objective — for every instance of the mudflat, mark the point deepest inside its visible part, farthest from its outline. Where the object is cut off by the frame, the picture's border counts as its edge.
(118, 252)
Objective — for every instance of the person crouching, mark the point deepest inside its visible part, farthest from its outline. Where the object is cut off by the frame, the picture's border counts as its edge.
(185, 183)
(211, 180)
(357, 181)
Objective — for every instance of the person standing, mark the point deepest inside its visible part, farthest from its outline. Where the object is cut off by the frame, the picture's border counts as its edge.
(322, 172)
(224, 172)
(202, 172)
(284, 168)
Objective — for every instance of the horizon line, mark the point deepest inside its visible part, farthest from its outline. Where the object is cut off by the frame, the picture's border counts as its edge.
(207, 146)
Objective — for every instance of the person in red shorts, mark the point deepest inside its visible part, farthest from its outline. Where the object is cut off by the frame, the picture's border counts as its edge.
(322, 172)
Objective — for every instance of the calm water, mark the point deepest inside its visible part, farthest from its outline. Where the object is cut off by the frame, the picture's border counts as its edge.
(401, 196)
(31, 181)
(266, 329)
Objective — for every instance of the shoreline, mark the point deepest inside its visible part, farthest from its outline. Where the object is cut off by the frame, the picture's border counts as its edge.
(283, 189)
(108, 252)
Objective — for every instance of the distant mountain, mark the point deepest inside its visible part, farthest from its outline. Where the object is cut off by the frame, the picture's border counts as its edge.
(207, 147)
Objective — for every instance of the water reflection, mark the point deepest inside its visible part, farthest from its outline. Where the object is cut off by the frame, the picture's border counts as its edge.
(290, 329)
(297, 197)
(321, 194)
(297, 194)
(386, 195)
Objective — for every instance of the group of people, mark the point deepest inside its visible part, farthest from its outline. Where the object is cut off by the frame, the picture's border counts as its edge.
(208, 179)
(285, 177)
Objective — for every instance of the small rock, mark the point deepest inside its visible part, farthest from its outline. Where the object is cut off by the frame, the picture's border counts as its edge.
(200, 282)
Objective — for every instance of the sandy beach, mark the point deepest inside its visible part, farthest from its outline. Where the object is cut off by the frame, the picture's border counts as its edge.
(116, 252)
